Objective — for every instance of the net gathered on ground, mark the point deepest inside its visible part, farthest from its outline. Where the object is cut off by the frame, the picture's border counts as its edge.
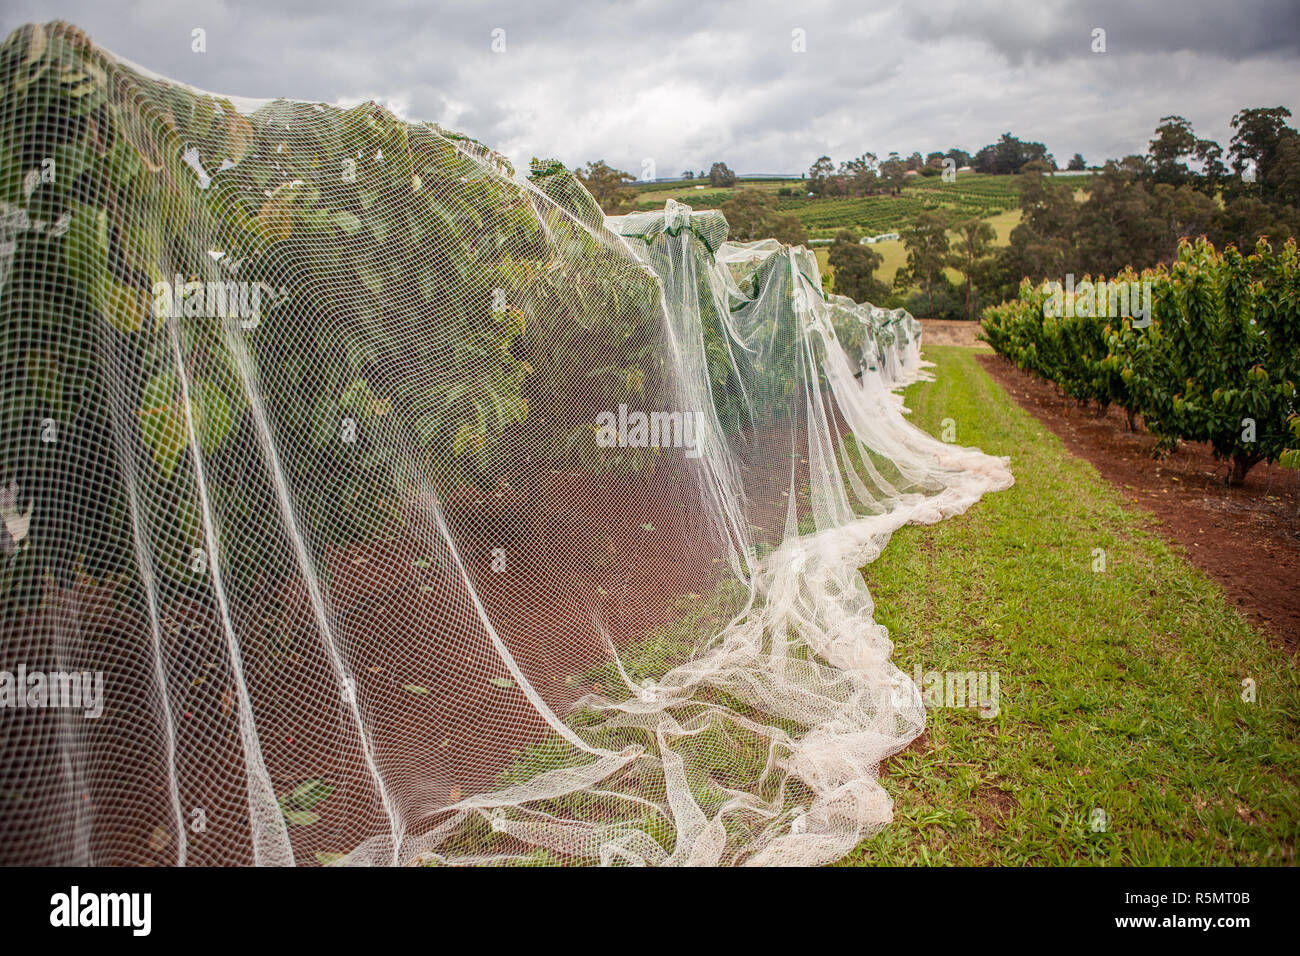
(368, 501)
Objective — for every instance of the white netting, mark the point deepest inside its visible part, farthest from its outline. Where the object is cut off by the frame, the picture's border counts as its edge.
(411, 511)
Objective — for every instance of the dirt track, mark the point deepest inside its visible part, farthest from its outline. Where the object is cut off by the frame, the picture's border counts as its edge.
(949, 332)
(1247, 538)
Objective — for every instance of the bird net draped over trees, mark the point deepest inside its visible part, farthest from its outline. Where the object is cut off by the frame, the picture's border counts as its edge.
(368, 502)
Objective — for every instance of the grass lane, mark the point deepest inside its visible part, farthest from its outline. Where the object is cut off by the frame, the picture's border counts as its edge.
(1120, 690)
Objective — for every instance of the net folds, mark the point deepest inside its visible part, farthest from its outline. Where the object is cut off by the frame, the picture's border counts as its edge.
(369, 501)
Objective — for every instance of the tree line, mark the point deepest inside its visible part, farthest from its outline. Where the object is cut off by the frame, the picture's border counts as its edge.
(1132, 212)
(1214, 357)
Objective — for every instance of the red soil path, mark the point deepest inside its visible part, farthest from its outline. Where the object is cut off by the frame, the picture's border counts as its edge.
(1245, 538)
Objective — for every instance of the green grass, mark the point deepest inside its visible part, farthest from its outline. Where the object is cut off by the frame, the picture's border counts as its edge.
(1003, 223)
(1119, 690)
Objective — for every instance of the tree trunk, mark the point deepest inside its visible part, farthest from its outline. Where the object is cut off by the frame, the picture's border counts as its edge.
(1132, 419)
(1241, 464)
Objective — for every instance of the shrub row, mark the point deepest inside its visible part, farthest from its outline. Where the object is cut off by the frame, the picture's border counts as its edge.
(1217, 359)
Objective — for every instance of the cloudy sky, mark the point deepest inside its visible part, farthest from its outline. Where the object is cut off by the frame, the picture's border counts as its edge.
(683, 83)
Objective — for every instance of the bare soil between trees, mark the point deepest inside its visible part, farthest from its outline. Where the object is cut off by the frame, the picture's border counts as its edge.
(1246, 538)
(949, 332)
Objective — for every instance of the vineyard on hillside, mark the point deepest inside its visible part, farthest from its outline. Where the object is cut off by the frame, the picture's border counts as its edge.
(973, 195)
(1217, 363)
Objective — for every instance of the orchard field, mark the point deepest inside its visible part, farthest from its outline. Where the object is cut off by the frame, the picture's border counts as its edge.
(395, 504)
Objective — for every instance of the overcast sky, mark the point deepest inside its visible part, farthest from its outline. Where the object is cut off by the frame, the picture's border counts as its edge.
(688, 82)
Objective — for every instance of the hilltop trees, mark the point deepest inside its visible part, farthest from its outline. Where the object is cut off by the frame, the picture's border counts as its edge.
(893, 173)
(1174, 140)
(855, 268)
(721, 176)
(607, 185)
(819, 175)
(959, 157)
(859, 176)
(1008, 154)
(1214, 175)
(868, 175)
(1263, 143)
(1135, 210)
(1265, 158)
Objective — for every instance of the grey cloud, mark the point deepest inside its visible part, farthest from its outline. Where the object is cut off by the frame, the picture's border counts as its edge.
(1024, 32)
(686, 83)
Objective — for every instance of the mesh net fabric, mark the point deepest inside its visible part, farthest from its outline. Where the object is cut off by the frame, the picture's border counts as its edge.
(413, 512)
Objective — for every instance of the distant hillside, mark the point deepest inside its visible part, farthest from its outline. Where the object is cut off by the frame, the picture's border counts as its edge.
(973, 194)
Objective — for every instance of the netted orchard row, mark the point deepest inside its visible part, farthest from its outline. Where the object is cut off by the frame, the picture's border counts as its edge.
(516, 352)
(409, 509)
(1216, 360)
